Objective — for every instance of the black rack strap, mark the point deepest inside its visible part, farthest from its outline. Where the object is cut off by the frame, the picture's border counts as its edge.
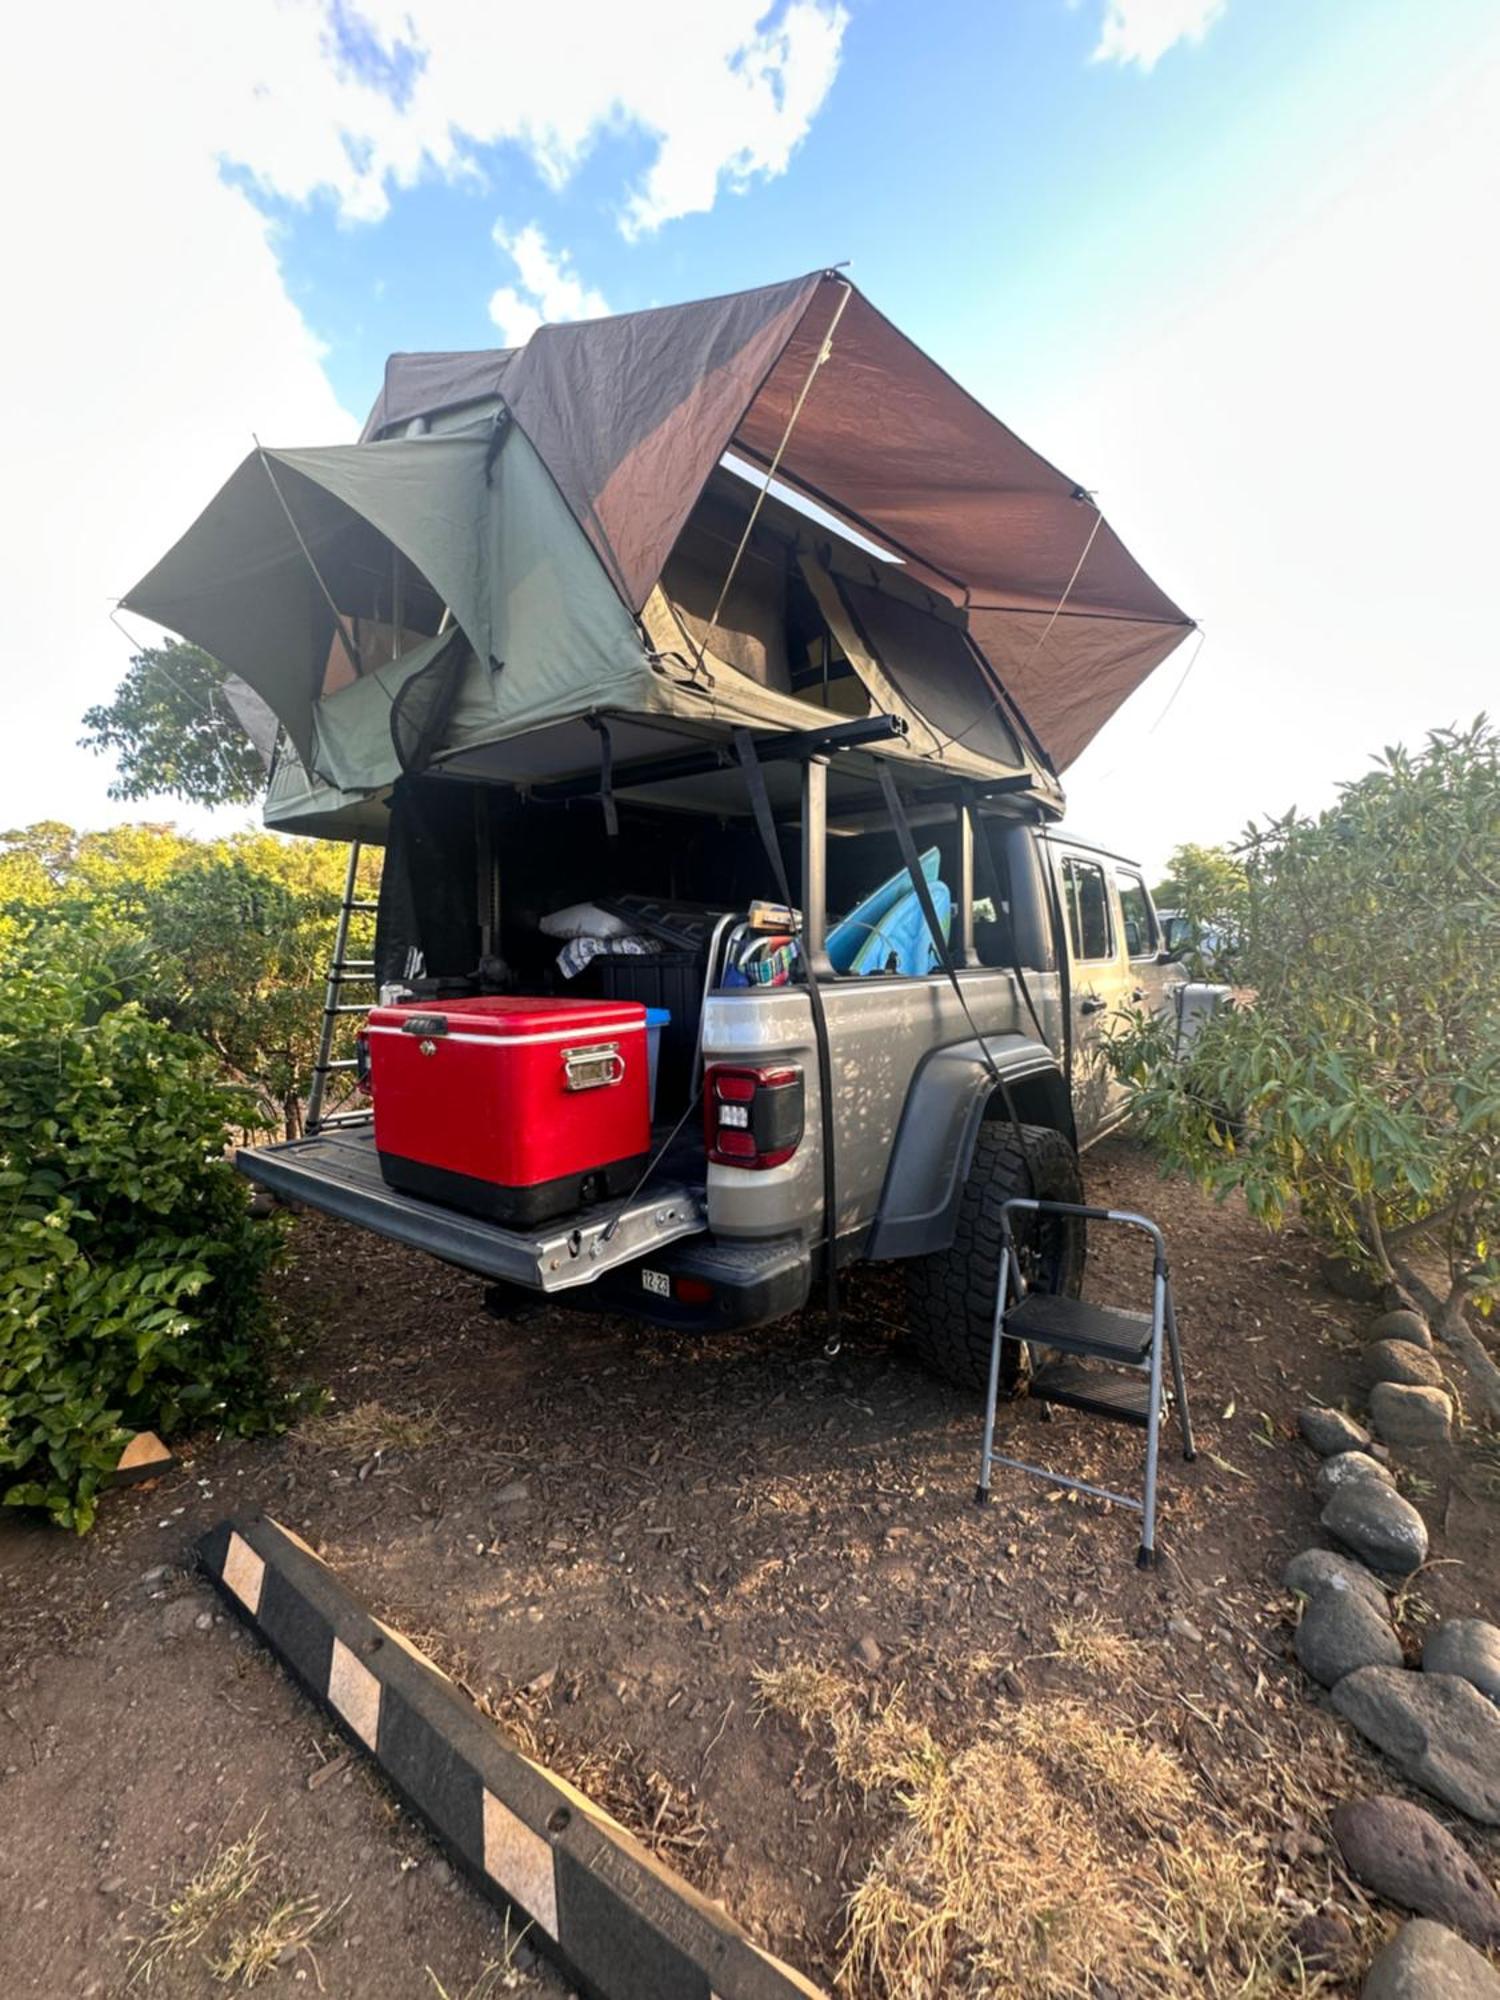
(606, 775)
(760, 804)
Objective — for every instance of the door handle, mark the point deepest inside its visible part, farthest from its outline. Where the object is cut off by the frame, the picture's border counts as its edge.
(1092, 1005)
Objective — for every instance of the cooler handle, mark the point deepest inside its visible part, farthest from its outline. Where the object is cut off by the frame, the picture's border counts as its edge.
(593, 1068)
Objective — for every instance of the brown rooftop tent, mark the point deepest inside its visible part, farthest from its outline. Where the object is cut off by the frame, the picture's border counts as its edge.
(528, 542)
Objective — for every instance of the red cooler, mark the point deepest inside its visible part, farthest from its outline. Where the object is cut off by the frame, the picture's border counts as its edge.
(516, 1110)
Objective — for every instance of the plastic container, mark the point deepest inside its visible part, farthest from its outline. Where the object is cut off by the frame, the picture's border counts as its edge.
(671, 981)
(657, 1018)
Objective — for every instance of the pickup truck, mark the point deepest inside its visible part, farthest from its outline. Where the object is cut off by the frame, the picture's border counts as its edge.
(949, 1094)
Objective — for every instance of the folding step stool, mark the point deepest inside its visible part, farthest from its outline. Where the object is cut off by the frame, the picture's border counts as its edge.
(1129, 1343)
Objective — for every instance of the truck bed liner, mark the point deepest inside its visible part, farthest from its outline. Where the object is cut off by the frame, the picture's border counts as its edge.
(338, 1172)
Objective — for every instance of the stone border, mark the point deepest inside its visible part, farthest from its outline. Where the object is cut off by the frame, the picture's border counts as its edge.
(619, 1924)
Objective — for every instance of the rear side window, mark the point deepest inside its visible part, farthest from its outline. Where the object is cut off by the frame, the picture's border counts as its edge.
(1137, 917)
(1088, 909)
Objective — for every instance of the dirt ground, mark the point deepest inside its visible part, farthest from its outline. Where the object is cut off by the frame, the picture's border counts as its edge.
(614, 1536)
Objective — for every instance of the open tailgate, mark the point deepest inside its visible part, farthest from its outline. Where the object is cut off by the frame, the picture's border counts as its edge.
(338, 1172)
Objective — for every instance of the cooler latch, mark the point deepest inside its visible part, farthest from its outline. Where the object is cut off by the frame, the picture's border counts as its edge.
(594, 1067)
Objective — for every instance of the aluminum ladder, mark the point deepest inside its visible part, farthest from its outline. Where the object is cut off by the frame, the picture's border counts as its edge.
(1132, 1346)
(342, 971)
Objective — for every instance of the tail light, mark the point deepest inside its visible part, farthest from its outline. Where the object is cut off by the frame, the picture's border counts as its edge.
(752, 1117)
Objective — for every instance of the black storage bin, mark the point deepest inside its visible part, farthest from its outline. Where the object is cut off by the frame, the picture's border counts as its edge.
(670, 979)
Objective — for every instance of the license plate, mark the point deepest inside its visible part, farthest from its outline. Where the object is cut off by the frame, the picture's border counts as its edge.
(658, 1282)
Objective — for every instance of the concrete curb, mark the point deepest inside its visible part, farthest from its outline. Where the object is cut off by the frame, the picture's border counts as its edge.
(617, 1922)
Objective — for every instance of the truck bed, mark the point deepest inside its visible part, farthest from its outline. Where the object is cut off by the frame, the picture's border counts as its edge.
(338, 1172)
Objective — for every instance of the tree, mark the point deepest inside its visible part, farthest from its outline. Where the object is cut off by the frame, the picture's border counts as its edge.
(226, 940)
(1209, 887)
(172, 730)
(1363, 1083)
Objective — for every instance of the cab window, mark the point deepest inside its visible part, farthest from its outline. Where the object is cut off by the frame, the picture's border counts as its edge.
(1137, 917)
(1087, 895)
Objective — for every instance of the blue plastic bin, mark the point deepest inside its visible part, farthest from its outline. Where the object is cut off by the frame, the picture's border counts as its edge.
(657, 1018)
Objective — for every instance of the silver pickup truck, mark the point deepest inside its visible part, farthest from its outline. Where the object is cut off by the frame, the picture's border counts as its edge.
(950, 1092)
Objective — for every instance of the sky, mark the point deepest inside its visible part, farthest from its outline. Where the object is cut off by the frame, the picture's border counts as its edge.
(1229, 263)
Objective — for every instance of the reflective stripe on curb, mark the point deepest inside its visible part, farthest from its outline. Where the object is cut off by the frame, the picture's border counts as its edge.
(620, 1924)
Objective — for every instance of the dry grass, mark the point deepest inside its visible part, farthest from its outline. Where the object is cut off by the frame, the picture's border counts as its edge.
(1097, 1645)
(371, 1430)
(280, 1933)
(238, 1881)
(181, 1923)
(1064, 1848)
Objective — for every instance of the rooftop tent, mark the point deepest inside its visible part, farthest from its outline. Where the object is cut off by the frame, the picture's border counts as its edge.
(631, 414)
(557, 517)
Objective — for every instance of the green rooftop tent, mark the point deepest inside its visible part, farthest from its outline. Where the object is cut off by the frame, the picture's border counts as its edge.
(532, 548)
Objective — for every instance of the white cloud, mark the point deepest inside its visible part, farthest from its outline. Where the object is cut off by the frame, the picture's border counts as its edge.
(547, 287)
(149, 328)
(1142, 31)
(722, 92)
(151, 333)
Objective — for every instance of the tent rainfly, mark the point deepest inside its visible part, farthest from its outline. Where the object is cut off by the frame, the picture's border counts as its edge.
(527, 544)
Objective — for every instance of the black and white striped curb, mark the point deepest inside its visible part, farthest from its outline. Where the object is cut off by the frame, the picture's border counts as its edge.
(617, 1922)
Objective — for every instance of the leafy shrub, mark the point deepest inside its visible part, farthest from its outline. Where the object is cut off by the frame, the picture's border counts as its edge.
(130, 1267)
(1363, 1083)
(234, 936)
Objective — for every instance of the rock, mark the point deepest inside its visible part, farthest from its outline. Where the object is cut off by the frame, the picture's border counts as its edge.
(1330, 1431)
(441, 1873)
(1468, 1647)
(1435, 1728)
(179, 1618)
(514, 1493)
(1425, 1962)
(1309, 1572)
(1405, 1415)
(1323, 1940)
(151, 1577)
(1382, 1529)
(1340, 1631)
(1400, 1361)
(867, 1652)
(1402, 1853)
(1343, 1468)
(1184, 1628)
(203, 1622)
(1403, 1324)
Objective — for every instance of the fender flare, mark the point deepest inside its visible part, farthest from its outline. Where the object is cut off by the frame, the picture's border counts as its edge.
(934, 1144)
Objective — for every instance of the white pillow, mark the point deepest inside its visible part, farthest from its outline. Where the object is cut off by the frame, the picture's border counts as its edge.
(584, 920)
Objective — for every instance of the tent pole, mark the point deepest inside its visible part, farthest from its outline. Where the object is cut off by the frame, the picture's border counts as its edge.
(351, 644)
(818, 359)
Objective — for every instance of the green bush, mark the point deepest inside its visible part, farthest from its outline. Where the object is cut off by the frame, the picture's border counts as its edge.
(130, 1268)
(1362, 1084)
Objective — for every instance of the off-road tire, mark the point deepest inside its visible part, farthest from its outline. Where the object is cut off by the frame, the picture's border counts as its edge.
(950, 1295)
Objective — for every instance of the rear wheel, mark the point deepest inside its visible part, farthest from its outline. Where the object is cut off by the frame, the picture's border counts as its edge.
(951, 1294)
